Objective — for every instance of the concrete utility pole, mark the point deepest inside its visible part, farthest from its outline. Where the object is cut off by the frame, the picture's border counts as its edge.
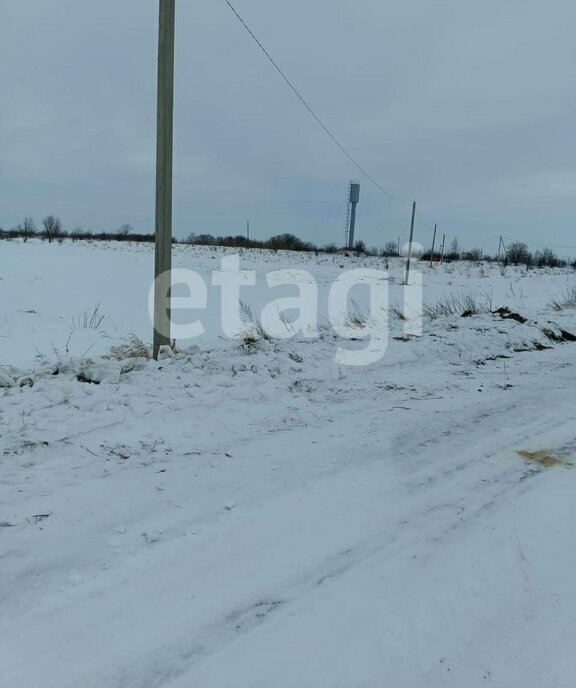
(164, 146)
(442, 253)
(248, 233)
(410, 243)
(433, 242)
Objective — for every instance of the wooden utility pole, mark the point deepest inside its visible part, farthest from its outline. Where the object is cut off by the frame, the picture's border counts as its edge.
(410, 243)
(433, 242)
(164, 146)
(505, 251)
(443, 243)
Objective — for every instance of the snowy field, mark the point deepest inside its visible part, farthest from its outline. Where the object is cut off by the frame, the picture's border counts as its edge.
(253, 514)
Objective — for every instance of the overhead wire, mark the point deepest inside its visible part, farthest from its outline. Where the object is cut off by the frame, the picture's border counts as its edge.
(480, 241)
(312, 112)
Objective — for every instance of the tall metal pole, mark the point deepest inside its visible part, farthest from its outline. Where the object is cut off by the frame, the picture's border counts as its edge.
(410, 243)
(433, 242)
(164, 146)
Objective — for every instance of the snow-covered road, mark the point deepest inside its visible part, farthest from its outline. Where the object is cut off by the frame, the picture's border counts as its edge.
(361, 529)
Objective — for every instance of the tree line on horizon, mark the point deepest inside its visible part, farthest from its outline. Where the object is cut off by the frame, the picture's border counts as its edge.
(515, 253)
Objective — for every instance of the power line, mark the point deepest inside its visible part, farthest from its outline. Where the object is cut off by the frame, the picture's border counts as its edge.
(480, 241)
(311, 111)
(423, 222)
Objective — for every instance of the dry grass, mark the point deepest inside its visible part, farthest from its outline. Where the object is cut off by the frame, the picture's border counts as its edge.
(89, 321)
(566, 300)
(131, 347)
(463, 303)
(254, 330)
(357, 317)
(543, 457)
(396, 311)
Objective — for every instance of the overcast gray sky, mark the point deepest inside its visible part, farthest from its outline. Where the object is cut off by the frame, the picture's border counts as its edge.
(467, 107)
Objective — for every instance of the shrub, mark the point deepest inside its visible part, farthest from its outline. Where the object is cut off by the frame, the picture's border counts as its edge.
(289, 242)
(547, 258)
(517, 253)
(474, 255)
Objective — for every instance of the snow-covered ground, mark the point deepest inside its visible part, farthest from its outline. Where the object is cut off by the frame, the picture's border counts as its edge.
(255, 515)
(47, 291)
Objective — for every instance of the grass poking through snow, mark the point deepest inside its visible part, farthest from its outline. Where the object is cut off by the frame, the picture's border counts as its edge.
(462, 303)
(543, 457)
(89, 321)
(566, 300)
(131, 347)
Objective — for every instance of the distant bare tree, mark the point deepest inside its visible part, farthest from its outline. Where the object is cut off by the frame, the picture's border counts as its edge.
(474, 255)
(547, 257)
(454, 252)
(125, 230)
(390, 248)
(518, 253)
(28, 229)
(52, 227)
